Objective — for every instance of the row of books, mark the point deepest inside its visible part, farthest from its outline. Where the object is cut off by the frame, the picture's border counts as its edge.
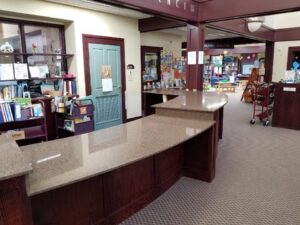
(13, 91)
(12, 111)
(70, 87)
(9, 112)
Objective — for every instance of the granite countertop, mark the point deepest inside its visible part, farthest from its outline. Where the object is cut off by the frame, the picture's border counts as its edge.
(64, 161)
(191, 101)
(12, 162)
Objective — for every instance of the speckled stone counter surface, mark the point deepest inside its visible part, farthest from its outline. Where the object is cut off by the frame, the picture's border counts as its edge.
(65, 161)
(191, 101)
(12, 161)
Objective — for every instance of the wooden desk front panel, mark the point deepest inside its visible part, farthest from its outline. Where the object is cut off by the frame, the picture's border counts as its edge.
(112, 197)
(14, 204)
(287, 107)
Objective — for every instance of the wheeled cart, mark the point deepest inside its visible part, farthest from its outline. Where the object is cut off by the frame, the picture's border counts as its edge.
(263, 98)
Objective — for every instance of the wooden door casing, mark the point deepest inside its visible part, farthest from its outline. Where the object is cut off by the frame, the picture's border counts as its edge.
(87, 38)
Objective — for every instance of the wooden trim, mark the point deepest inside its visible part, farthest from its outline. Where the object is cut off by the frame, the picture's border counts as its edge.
(29, 22)
(218, 10)
(195, 42)
(290, 55)
(238, 26)
(87, 38)
(288, 34)
(158, 23)
(133, 119)
(181, 11)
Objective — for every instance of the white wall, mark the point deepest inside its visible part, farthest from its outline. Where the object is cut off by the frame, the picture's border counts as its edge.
(170, 42)
(281, 57)
(80, 21)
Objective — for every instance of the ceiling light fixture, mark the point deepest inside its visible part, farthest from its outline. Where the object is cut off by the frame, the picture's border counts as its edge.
(255, 23)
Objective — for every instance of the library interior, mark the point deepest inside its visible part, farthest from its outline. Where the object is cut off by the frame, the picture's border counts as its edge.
(153, 112)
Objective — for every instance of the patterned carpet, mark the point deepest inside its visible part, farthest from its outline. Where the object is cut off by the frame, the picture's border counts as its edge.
(257, 182)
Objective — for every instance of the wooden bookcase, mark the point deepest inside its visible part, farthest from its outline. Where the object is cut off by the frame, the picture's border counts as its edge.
(35, 128)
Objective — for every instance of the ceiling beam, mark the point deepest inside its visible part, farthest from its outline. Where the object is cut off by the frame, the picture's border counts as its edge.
(158, 23)
(290, 34)
(186, 10)
(239, 26)
(217, 10)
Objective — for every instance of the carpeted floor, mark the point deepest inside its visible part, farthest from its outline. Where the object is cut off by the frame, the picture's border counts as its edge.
(257, 181)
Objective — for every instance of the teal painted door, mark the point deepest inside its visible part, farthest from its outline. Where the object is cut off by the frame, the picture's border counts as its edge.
(108, 104)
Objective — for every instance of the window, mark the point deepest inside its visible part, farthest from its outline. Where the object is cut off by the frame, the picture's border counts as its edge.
(10, 42)
(293, 58)
(33, 43)
(42, 40)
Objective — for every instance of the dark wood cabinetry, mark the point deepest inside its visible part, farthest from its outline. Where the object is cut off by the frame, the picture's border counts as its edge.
(287, 106)
(14, 203)
(112, 197)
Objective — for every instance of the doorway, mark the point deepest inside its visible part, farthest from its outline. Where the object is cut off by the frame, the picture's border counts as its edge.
(104, 66)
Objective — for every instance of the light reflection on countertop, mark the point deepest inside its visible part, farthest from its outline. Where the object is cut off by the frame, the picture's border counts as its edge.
(12, 162)
(191, 101)
(65, 161)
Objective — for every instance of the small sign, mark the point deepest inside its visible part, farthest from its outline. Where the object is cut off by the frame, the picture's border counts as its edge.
(83, 110)
(201, 57)
(18, 135)
(107, 85)
(289, 89)
(106, 72)
(192, 58)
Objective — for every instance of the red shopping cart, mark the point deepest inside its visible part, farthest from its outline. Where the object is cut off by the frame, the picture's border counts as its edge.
(263, 99)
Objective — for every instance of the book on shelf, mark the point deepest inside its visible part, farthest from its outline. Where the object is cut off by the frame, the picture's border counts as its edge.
(70, 87)
(1, 116)
(6, 112)
(69, 125)
(12, 90)
(19, 109)
(37, 110)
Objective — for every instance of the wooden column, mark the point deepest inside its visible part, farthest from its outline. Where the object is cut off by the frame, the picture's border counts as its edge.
(269, 58)
(195, 42)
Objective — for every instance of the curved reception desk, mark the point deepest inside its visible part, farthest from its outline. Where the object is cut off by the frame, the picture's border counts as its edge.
(105, 176)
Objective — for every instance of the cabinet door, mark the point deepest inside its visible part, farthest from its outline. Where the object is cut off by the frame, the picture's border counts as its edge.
(14, 208)
(11, 213)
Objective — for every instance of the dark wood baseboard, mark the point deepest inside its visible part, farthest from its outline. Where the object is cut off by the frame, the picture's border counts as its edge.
(133, 119)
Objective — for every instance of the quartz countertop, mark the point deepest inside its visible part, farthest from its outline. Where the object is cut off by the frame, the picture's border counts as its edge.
(64, 161)
(191, 101)
(12, 162)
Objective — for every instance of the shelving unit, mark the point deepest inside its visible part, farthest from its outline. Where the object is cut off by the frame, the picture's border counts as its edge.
(80, 115)
(34, 127)
(37, 44)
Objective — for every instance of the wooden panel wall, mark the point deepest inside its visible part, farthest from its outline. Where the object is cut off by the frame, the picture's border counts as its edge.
(14, 204)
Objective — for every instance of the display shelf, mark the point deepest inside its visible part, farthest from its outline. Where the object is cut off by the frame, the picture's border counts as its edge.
(79, 109)
(34, 127)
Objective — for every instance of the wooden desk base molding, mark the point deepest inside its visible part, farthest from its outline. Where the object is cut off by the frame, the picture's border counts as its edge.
(112, 197)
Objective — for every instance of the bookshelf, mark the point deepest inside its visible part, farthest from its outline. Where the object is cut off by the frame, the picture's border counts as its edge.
(33, 128)
(41, 48)
(78, 118)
